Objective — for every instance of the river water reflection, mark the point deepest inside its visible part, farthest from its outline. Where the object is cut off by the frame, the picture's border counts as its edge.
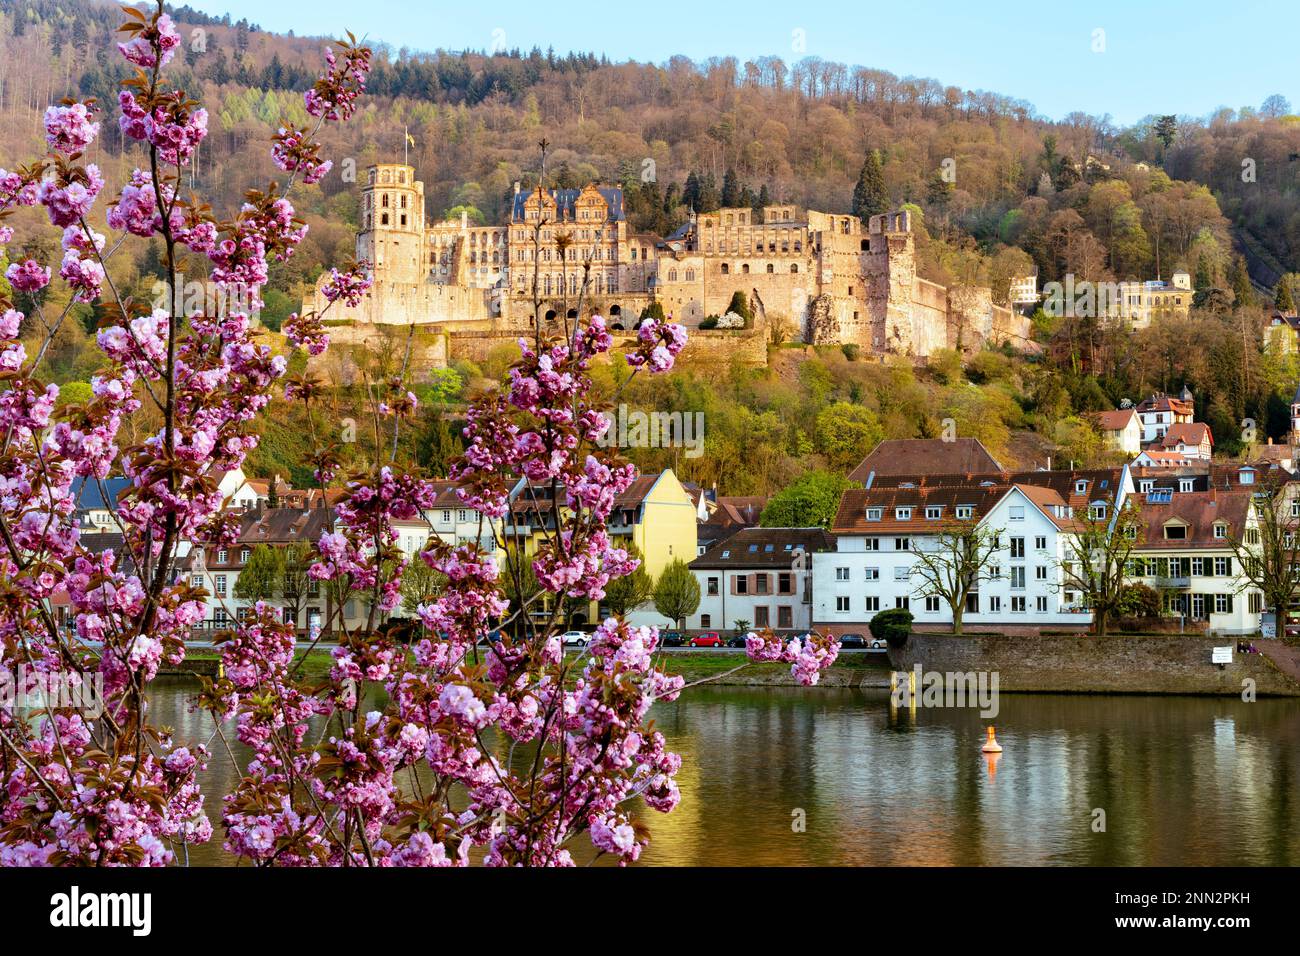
(1182, 780)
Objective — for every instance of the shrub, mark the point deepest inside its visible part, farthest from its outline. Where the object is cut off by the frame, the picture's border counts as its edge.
(710, 322)
(1139, 600)
(893, 626)
(851, 351)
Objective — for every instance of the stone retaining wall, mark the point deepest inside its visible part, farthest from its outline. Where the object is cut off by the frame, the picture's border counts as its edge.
(1175, 664)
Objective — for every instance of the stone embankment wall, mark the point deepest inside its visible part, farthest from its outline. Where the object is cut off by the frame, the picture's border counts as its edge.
(1174, 664)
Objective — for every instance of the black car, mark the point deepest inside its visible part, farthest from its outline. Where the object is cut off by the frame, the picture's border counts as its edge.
(736, 640)
(671, 639)
(853, 642)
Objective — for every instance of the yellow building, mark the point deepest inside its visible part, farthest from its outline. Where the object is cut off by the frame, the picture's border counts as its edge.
(655, 513)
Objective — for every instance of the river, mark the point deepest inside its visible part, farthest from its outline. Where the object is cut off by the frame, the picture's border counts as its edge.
(788, 776)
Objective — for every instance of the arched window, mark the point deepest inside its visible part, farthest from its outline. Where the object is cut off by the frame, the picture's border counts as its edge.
(745, 268)
(794, 267)
(770, 267)
(726, 269)
(385, 202)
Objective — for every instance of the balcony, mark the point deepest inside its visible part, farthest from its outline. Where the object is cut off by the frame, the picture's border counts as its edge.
(1178, 582)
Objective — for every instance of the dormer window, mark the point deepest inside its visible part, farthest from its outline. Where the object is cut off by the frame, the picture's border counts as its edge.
(965, 511)
(873, 514)
(1185, 485)
(1220, 530)
(1081, 487)
(1247, 476)
(1146, 485)
(1175, 531)
(1097, 512)
(933, 512)
(903, 514)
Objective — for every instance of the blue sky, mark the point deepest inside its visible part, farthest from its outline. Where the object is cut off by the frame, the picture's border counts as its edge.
(1160, 56)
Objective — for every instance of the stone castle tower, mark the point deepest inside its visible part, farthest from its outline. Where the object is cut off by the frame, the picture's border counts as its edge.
(392, 223)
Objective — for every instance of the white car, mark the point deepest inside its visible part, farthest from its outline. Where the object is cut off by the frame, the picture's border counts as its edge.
(578, 638)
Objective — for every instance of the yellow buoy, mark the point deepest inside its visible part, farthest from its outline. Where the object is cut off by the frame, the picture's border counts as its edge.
(991, 745)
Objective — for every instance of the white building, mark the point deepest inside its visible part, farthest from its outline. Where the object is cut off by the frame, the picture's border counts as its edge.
(879, 531)
(1159, 412)
(1187, 555)
(762, 576)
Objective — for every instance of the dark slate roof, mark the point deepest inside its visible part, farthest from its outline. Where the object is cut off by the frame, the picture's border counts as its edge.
(89, 496)
(763, 548)
(922, 456)
(565, 198)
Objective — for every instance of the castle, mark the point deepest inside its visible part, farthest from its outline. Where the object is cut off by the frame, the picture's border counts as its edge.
(831, 281)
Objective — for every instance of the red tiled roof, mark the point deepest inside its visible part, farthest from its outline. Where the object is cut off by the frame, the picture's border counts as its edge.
(919, 456)
(1198, 511)
(1115, 421)
(1189, 433)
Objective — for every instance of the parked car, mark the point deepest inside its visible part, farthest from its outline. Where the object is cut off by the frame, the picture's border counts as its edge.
(491, 637)
(671, 639)
(707, 639)
(853, 642)
(575, 638)
(736, 640)
(877, 643)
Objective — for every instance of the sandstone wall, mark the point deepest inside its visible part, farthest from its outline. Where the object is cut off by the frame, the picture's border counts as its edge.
(1176, 664)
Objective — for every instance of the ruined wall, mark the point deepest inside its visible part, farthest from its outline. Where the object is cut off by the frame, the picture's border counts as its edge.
(747, 346)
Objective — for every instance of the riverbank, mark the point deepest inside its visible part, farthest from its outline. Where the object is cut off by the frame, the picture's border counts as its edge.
(1087, 664)
(718, 668)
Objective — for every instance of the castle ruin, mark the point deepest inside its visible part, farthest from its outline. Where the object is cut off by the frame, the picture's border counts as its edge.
(829, 279)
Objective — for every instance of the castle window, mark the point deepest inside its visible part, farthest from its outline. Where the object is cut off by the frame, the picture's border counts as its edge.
(745, 268)
(690, 275)
(403, 202)
(403, 219)
(770, 267)
(383, 221)
(385, 202)
(794, 267)
(726, 269)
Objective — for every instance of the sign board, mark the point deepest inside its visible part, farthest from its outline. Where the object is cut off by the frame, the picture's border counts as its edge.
(1268, 630)
(1221, 655)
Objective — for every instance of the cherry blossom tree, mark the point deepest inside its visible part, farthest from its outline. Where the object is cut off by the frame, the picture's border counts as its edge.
(513, 755)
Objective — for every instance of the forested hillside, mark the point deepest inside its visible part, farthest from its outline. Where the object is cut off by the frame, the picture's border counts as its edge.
(997, 190)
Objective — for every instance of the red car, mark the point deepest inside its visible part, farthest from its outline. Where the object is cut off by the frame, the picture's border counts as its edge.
(709, 639)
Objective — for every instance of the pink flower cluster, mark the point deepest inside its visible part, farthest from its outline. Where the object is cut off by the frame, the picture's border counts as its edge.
(334, 95)
(807, 657)
(154, 43)
(69, 201)
(295, 152)
(658, 344)
(170, 125)
(28, 275)
(70, 128)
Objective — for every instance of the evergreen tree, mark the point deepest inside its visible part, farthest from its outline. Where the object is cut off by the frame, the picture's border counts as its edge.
(1204, 276)
(869, 195)
(730, 190)
(710, 198)
(740, 305)
(691, 192)
(1241, 288)
(1282, 298)
(764, 198)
